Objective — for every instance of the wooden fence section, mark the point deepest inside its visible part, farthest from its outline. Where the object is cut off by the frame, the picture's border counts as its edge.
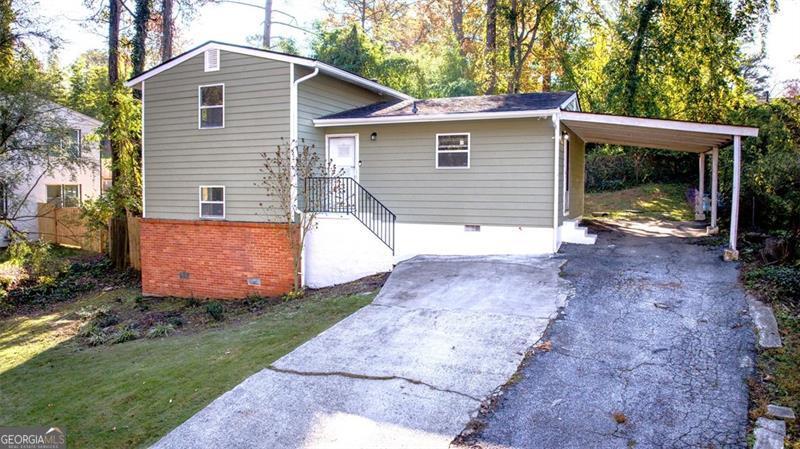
(64, 226)
(133, 242)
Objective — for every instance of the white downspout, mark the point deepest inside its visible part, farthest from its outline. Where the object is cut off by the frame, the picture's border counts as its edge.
(294, 133)
(556, 145)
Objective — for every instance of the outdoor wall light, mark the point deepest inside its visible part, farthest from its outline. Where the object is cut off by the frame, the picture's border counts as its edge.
(373, 137)
(565, 136)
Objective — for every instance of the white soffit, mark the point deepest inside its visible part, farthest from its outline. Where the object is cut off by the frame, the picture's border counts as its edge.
(652, 133)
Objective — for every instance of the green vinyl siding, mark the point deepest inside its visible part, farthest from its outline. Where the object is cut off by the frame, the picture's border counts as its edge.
(509, 182)
(179, 157)
(577, 174)
(323, 95)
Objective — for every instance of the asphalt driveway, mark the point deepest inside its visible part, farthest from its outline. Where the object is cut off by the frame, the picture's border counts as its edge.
(652, 351)
(408, 371)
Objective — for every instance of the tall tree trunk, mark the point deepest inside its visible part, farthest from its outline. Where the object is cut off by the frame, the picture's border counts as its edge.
(114, 7)
(6, 34)
(491, 43)
(513, 45)
(547, 66)
(119, 223)
(166, 29)
(364, 15)
(457, 20)
(647, 11)
(140, 38)
(267, 24)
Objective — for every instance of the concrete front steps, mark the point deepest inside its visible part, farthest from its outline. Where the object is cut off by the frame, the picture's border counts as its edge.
(572, 232)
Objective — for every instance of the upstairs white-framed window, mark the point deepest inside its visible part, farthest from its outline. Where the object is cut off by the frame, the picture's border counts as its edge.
(211, 106)
(212, 202)
(452, 150)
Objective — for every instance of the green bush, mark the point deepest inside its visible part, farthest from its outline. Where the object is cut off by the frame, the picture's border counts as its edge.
(776, 282)
(123, 334)
(97, 339)
(105, 318)
(160, 330)
(216, 310)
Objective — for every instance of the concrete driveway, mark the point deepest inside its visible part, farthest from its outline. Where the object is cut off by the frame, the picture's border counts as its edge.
(408, 371)
(653, 351)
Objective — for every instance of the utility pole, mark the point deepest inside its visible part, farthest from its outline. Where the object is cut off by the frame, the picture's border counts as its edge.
(267, 24)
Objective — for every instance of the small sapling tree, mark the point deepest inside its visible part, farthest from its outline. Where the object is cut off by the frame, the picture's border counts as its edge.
(284, 175)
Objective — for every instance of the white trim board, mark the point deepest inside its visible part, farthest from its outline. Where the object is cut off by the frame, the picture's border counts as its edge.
(310, 63)
(672, 125)
(320, 123)
(469, 150)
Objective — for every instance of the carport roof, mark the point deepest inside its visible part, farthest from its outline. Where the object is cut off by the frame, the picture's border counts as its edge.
(675, 135)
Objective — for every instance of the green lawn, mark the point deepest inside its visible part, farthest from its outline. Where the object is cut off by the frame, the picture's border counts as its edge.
(657, 201)
(130, 394)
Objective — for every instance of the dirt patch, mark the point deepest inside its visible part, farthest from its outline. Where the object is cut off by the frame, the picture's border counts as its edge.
(129, 316)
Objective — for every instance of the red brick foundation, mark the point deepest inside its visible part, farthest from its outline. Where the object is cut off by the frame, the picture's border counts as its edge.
(214, 259)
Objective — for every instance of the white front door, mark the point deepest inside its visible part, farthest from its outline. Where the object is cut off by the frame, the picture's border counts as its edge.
(342, 152)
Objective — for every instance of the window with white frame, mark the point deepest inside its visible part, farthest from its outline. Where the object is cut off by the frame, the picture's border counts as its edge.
(72, 143)
(212, 202)
(64, 195)
(211, 103)
(452, 150)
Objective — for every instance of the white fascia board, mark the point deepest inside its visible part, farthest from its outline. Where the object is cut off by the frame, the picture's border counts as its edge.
(325, 68)
(321, 123)
(363, 82)
(573, 97)
(673, 125)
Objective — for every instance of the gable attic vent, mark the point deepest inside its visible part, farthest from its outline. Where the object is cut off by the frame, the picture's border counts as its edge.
(212, 59)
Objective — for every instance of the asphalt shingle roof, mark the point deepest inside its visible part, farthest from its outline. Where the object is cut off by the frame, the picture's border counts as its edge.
(458, 105)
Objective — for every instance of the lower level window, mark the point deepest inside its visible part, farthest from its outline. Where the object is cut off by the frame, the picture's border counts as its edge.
(64, 195)
(212, 201)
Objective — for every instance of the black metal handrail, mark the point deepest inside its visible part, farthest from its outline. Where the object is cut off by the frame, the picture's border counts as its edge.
(344, 195)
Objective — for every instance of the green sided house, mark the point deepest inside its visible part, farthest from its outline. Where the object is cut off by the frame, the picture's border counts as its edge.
(484, 175)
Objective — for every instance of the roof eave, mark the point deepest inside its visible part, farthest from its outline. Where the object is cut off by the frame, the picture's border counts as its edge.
(310, 63)
(321, 123)
(675, 125)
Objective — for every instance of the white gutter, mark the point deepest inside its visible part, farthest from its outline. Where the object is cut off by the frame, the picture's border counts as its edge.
(319, 123)
(294, 133)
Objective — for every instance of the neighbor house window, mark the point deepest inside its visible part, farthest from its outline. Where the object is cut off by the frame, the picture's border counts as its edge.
(73, 143)
(212, 202)
(64, 195)
(212, 106)
(452, 150)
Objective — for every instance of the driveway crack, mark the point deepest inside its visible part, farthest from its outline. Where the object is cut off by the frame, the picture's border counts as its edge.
(369, 377)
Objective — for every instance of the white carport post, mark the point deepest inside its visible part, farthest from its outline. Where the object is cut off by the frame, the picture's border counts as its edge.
(713, 229)
(699, 214)
(731, 253)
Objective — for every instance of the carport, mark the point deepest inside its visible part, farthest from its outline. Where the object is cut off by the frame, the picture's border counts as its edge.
(675, 135)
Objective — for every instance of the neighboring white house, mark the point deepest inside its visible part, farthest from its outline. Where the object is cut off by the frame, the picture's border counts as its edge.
(59, 187)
